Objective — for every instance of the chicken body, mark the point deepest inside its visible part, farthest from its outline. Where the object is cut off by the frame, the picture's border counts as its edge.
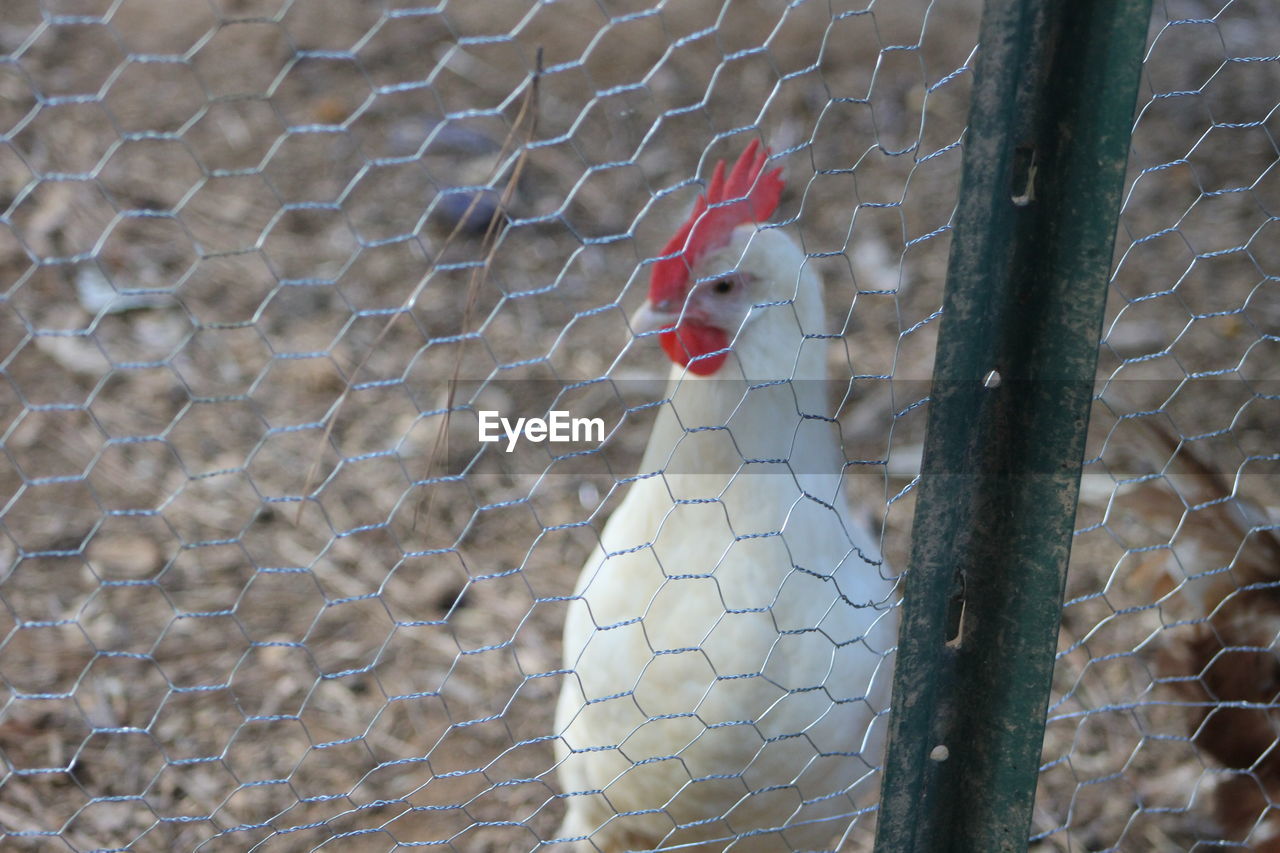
(731, 637)
(1220, 602)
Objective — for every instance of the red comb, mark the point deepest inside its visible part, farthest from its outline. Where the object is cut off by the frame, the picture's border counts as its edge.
(748, 195)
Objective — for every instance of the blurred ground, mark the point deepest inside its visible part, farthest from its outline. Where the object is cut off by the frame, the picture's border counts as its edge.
(228, 280)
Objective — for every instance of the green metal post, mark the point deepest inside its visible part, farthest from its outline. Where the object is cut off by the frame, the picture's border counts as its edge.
(1044, 161)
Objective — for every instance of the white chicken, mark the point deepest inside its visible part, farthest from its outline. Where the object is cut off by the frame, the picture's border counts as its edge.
(730, 640)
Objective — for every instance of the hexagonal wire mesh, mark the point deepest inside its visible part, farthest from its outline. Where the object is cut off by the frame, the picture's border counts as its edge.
(1162, 726)
(244, 253)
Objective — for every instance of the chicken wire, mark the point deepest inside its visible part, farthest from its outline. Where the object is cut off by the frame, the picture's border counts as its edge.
(258, 595)
(1161, 726)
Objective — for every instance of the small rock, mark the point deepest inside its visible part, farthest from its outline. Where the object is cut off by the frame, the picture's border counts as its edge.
(97, 294)
(125, 557)
(473, 209)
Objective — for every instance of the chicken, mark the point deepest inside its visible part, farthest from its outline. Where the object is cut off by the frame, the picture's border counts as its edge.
(730, 640)
(1219, 587)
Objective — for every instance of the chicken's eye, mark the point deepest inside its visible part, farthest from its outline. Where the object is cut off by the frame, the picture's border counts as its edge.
(724, 285)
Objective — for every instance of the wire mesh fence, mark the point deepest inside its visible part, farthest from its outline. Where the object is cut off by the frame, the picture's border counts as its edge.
(261, 587)
(1160, 729)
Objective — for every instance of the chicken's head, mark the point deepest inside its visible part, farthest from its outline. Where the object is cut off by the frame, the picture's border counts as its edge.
(719, 265)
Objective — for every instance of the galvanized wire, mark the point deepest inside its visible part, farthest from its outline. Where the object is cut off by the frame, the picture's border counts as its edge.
(1175, 533)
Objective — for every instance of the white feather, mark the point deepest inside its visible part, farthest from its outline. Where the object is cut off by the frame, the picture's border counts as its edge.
(731, 638)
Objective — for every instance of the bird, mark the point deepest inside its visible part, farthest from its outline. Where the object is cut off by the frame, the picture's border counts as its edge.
(729, 644)
(1217, 584)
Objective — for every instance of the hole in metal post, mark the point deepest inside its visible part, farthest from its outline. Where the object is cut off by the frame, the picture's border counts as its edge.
(956, 625)
(1024, 176)
(955, 613)
(991, 380)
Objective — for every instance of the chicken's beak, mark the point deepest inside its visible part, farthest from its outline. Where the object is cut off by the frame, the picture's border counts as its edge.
(651, 318)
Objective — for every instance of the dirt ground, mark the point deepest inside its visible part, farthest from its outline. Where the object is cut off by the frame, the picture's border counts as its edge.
(254, 597)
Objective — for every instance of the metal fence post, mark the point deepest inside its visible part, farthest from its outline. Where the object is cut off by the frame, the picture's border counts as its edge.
(1044, 163)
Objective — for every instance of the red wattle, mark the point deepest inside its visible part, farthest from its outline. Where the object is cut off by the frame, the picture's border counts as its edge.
(692, 339)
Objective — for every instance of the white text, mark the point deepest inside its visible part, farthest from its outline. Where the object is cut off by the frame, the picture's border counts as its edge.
(556, 427)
